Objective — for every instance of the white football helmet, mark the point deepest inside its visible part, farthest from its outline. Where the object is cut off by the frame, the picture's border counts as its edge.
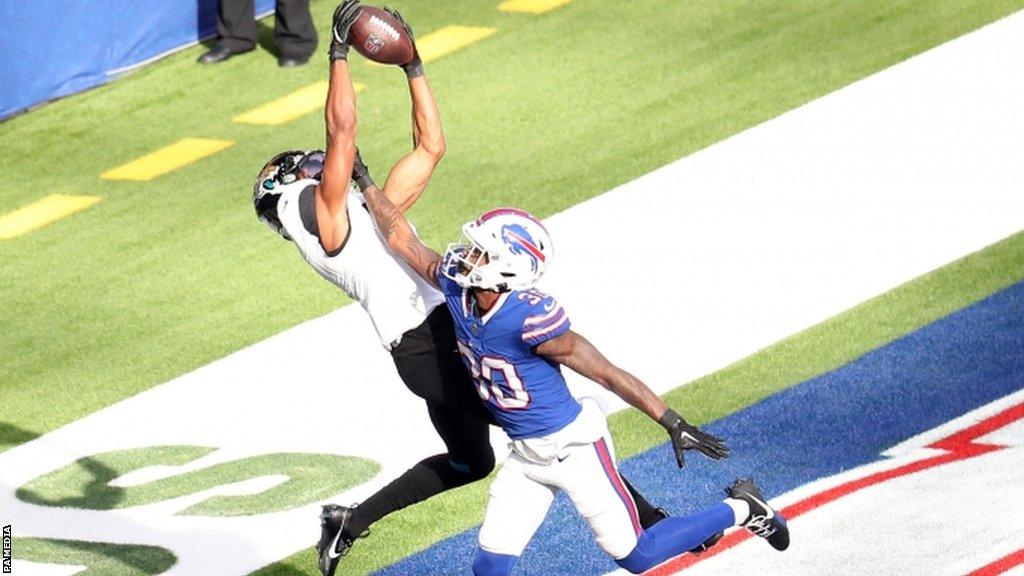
(504, 249)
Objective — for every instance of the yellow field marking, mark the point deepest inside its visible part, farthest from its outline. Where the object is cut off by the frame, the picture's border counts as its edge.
(531, 6)
(291, 106)
(166, 159)
(449, 39)
(42, 212)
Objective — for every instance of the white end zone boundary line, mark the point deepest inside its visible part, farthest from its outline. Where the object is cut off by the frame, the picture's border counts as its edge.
(751, 240)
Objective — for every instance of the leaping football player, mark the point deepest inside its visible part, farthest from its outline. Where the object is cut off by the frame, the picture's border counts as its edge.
(311, 199)
(513, 339)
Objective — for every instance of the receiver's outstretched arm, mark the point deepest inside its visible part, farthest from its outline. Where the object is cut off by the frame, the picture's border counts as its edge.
(340, 120)
(410, 175)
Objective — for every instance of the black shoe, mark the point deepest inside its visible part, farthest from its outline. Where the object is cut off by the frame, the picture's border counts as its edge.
(762, 521)
(333, 544)
(291, 61)
(219, 53)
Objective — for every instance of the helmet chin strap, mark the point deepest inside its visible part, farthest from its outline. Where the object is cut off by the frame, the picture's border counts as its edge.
(491, 296)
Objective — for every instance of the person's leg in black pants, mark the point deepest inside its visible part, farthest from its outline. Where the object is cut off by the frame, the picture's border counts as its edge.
(469, 458)
(236, 25)
(430, 367)
(294, 33)
(236, 30)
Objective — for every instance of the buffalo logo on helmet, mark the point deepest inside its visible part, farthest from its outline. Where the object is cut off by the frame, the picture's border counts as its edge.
(520, 241)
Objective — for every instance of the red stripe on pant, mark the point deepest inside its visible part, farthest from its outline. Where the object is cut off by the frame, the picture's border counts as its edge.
(613, 476)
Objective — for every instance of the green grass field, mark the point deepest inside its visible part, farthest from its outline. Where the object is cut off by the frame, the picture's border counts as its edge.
(165, 276)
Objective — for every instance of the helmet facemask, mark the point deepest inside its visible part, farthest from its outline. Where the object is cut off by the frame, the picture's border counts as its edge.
(504, 250)
(468, 264)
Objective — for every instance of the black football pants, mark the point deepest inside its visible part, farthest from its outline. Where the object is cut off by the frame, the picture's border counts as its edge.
(294, 33)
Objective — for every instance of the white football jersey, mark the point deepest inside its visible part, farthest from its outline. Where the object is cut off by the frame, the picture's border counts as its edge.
(391, 292)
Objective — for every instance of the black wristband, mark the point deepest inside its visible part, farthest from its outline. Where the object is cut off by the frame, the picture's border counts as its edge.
(364, 182)
(338, 51)
(413, 69)
(669, 419)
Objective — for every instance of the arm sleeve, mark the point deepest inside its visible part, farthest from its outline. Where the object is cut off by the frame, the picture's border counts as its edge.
(545, 321)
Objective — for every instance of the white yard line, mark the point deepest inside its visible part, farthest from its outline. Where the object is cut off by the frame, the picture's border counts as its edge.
(674, 275)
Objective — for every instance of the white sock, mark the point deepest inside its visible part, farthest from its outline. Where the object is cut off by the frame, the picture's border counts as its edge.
(740, 510)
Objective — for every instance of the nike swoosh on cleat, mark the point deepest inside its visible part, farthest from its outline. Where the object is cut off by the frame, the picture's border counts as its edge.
(770, 511)
(332, 552)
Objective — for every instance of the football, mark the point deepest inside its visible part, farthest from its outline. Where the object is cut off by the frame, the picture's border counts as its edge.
(380, 37)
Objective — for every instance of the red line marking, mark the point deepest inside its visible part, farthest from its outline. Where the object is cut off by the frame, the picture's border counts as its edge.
(959, 446)
(1004, 564)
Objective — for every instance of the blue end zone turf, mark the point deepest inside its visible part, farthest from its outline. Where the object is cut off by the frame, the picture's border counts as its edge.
(821, 427)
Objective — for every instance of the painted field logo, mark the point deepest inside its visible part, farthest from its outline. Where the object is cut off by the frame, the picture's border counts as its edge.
(91, 483)
(7, 549)
(209, 502)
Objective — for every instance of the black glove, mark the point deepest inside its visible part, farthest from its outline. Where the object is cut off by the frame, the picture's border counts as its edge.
(344, 15)
(686, 437)
(361, 174)
(414, 67)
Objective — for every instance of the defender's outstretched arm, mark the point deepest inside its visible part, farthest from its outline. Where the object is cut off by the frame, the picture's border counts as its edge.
(401, 238)
(576, 352)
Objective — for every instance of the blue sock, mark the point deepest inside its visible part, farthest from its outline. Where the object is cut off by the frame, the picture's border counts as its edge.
(673, 536)
(491, 564)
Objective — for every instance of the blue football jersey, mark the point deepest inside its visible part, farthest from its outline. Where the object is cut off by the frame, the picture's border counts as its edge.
(526, 392)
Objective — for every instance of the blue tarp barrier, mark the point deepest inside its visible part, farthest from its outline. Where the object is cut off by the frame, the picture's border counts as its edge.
(52, 48)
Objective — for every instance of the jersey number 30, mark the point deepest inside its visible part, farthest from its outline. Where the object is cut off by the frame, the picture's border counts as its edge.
(508, 394)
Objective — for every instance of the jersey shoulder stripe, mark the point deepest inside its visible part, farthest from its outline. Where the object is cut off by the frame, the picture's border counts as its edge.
(538, 336)
(543, 320)
(545, 325)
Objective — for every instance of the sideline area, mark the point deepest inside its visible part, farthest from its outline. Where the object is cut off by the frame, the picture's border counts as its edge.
(674, 275)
